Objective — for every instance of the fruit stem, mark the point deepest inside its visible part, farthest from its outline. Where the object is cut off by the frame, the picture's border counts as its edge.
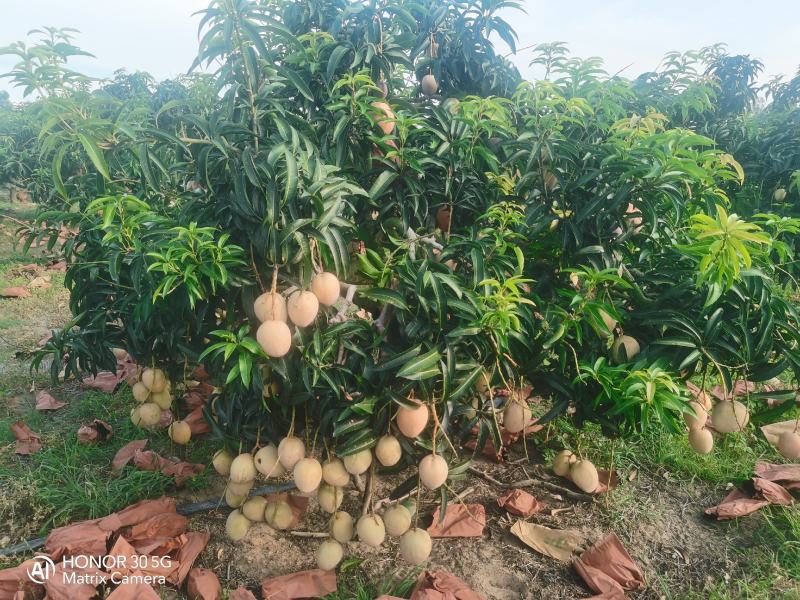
(419, 506)
(327, 448)
(437, 424)
(449, 223)
(369, 490)
(610, 470)
(274, 279)
(316, 261)
(308, 430)
(255, 269)
(460, 500)
(494, 418)
(435, 427)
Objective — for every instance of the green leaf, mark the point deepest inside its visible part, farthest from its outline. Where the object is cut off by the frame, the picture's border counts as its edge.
(399, 359)
(385, 296)
(297, 82)
(95, 154)
(58, 160)
(334, 60)
(381, 183)
(467, 384)
(421, 367)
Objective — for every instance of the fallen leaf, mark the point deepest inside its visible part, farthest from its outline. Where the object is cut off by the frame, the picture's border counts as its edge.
(166, 524)
(460, 520)
(40, 282)
(105, 381)
(739, 503)
(736, 504)
(44, 401)
(42, 342)
(774, 430)
(203, 584)
(60, 266)
(29, 269)
(15, 292)
(298, 504)
(134, 591)
(740, 388)
(519, 502)
(97, 431)
(181, 471)
(441, 585)
(769, 490)
(506, 438)
(787, 475)
(60, 588)
(149, 460)
(607, 568)
(15, 579)
(556, 543)
(241, 593)
(197, 422)
(608, 480)
(87, 538)
(139, 512)
(305, 584)
(192, 544)
(28, 441)
(126, 453)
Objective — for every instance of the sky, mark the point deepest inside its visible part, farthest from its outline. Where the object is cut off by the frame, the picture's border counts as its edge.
(160, 36)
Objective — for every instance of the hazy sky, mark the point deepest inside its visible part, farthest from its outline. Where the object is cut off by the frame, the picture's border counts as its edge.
(160, 36)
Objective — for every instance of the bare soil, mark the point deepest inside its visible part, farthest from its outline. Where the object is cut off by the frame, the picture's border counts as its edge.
(660, 523)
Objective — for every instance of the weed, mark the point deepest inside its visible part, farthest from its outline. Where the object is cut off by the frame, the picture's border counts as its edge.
(353, 587)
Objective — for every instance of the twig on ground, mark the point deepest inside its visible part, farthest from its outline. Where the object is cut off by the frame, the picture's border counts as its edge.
(528, 482)
(185, 509)
(310, 534)
(388, 501)
(370, 487)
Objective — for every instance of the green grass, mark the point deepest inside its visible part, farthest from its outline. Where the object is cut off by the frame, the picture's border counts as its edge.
(771, 557)
(10, 323)
(732, 458)
(773, 564)
(24, 212)
(73, 483)
(352, 586)
(68, 481)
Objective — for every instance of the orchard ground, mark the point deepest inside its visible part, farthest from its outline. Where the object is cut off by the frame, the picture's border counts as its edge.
(657, 510)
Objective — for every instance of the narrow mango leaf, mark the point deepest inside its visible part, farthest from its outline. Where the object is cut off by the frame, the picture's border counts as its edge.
(421, 367)
(95, 154)
(381, 183)
(385, 296)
